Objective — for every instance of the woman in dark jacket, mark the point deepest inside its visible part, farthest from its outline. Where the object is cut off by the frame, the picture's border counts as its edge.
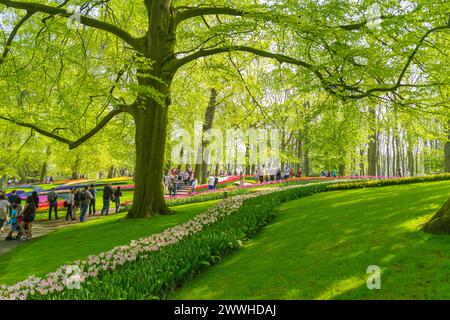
(29, 212)
(35, 197)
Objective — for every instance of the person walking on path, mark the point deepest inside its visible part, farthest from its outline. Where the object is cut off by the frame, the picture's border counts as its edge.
(93, 192)
(85, 200)
(108, 195)
(68, 203)
(52, 198)
(117, 195)
(4, 210)
(29, 213)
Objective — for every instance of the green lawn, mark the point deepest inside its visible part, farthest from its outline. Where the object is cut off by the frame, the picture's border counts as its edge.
(47, 253)
(320, 247)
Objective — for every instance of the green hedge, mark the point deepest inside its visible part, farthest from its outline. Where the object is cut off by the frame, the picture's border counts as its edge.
(165, 270)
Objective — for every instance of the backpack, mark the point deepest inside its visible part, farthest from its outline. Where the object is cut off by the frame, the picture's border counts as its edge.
(82, 196)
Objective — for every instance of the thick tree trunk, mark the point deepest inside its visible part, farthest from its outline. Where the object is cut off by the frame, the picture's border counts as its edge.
(440, 222)
(151, 123)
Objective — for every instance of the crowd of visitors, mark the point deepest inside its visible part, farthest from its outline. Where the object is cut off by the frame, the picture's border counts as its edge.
(272, 174)
(85, 200)
(19, 218)
(175, 178)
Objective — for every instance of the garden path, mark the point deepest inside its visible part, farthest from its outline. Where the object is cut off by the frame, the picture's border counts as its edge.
(41, 228)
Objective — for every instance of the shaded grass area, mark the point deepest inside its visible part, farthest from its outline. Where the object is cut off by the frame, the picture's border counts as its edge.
(45, 254)
(320, 248)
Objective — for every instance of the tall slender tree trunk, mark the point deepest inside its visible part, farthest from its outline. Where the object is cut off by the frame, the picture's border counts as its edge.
(388, 160)
(447, 149)
(373, 137)
(411, 166)
(207, 125)
(398, 156)
(306, 154)
(299, 151)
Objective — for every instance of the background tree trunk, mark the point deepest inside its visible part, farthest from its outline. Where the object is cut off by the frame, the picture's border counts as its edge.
(45, 164)
(447, 149)
(209, 119)
(373, 144)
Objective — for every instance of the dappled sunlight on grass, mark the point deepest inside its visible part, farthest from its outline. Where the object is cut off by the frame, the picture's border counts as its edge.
(320, 247)
(341, 287)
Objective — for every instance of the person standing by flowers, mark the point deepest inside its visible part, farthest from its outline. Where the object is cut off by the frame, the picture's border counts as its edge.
(52, 198)
(14, 222)
(4, 209)
(76, 204)
(194, 185)
(211, 181)
(117, 195)
(108, 195)
(35, 198)
(92, 203)
(29, 213)
(68, 203)
(85, 199)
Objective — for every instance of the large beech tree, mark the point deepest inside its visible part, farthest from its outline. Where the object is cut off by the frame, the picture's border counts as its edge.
(345, 58)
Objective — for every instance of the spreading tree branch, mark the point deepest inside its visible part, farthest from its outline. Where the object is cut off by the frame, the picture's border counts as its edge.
(174, 65)
(85, 20)
(398, 83)
(73, 143)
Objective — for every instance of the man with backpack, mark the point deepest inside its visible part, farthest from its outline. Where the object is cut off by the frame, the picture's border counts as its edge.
(85, 198)
(108, 195)
(52, 198)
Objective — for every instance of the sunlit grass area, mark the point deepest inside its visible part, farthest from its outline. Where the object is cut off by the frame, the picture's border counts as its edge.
(45, 254)
(320, 248)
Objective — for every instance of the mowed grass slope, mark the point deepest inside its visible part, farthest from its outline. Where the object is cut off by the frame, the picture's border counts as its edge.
(320, 248)
(45, 254)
